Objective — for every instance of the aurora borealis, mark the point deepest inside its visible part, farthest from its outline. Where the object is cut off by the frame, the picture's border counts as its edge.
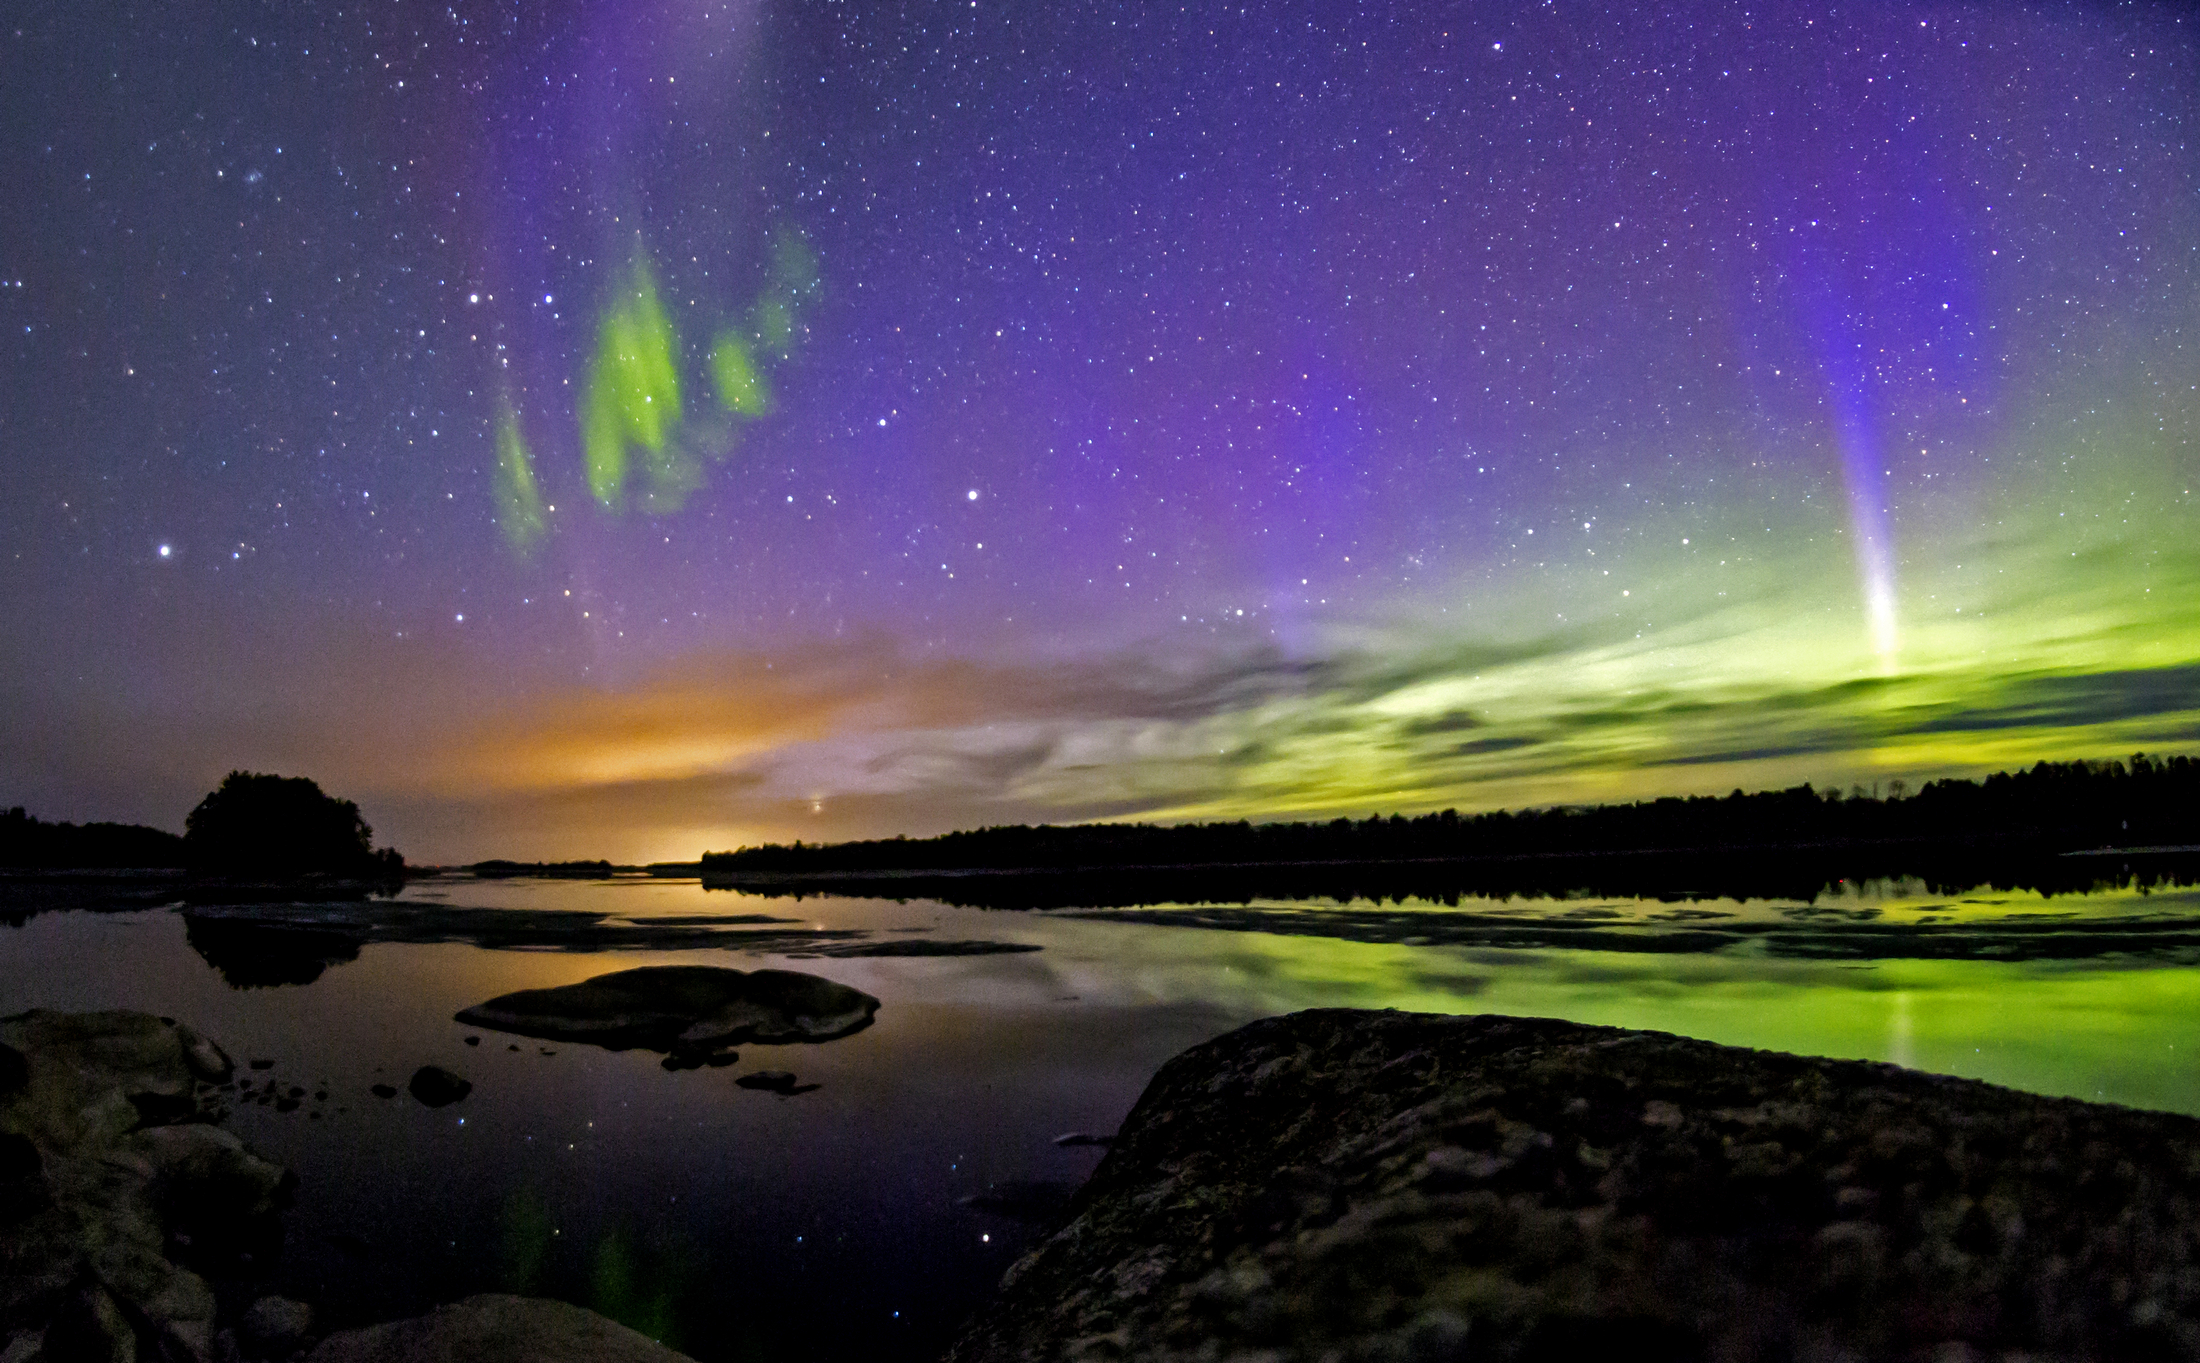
(625, 429)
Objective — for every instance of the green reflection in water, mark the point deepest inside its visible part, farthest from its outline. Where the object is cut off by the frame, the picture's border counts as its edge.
(640, 1291)
(632, 397)
(2117, 1030)
(525, 1230)
(519, 499)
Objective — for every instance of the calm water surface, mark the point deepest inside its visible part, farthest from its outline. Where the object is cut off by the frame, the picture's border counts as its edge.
(838, 1223)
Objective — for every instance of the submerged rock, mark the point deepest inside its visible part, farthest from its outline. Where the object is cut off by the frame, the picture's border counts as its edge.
(496, 1329)
(1035, 1200)
(782, 1082)
(682, 1007)
(1371, 1186)
(110, 1164)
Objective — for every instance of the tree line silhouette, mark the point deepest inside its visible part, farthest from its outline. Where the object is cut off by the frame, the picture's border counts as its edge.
(2051, 807)
(29, 842)
(252, 825)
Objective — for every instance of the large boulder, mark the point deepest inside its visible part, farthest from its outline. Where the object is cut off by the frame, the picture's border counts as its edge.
(496, 1329)
(112, 1163)
(682, 1007)
(1347, 1185)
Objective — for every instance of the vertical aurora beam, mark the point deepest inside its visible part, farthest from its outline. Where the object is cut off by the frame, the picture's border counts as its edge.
(1863, 475)
(1837, 334)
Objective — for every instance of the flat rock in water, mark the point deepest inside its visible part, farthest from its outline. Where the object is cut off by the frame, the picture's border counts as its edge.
(1391, 1186)
(496, 1329)
(682, 1007)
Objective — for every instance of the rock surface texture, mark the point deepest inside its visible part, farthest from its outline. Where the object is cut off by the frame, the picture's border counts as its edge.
(682, 1007)
(1355, 1186)
(109, 1175)
(496, 1329)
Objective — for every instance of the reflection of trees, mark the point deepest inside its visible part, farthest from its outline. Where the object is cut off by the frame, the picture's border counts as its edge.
(258, 954)
(1799, 874)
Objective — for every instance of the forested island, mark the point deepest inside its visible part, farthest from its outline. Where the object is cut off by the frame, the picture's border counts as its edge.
(1952, 828)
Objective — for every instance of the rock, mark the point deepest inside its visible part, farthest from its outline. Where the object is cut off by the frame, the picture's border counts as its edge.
(383, 1090)
(682, 1007)
(1351, 1185)
(1070, 1138)
(435, 1086)
(206, 1060)
(108, 1165)
(275, 1327)
(496, 1329)
(473, 1041)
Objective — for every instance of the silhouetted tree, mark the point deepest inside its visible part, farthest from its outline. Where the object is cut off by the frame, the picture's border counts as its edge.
(256, 824)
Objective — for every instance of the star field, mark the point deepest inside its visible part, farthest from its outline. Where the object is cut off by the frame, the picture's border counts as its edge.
(618, 429)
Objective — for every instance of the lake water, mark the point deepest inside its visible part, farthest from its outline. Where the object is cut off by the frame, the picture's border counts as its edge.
(839, 1222)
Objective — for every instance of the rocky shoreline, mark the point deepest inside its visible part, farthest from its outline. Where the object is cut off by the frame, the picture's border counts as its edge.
(1350, 1186)
(123, 1204)
(1336, 1186)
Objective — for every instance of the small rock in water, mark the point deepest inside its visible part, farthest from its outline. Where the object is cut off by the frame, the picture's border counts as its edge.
(511, 1048)
(473, 1041)
(722, 1059)
(263, 1064)
(1069, 1138)
(384, 1090)
(435, 1086)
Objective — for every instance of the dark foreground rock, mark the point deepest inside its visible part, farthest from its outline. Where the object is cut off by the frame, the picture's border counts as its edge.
(496, 1329)
(1354, 1186)
(113, 1174)
(682, 1007)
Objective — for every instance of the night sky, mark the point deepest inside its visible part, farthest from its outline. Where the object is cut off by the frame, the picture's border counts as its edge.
(624, 429)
